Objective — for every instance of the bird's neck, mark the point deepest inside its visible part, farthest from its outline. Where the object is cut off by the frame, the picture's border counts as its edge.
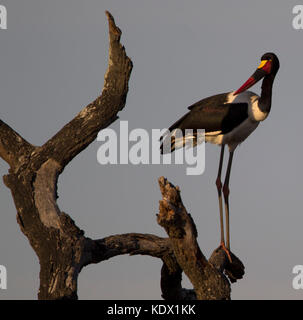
(266, 93)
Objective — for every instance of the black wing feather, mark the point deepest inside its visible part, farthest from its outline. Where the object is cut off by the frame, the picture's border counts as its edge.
(237, 113)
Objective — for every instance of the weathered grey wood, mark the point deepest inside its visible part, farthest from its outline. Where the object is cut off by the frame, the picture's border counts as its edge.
(208, 279)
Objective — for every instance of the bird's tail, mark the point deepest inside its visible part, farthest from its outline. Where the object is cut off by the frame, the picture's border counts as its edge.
(176, 139)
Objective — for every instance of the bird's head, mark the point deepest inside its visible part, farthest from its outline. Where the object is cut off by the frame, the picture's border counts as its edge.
(269, 66)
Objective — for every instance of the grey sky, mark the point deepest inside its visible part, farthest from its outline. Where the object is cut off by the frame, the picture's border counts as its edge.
(52, 60)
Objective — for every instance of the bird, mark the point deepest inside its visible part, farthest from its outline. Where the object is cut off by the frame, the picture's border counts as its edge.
(228, 119)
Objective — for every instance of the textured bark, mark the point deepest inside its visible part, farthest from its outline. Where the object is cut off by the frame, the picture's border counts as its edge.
(13, 148)
(206, 276)
(171, 277)
(61, 247)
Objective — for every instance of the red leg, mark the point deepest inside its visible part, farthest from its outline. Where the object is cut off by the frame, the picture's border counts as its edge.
(226, 195)
(219, 188)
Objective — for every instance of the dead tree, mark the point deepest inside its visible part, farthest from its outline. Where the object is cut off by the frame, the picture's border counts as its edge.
(62, 248)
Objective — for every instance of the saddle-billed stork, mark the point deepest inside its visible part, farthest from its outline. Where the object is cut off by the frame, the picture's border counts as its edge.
(228, 119)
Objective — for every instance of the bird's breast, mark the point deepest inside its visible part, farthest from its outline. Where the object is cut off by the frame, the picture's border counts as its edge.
(241, 132)
(255, 113)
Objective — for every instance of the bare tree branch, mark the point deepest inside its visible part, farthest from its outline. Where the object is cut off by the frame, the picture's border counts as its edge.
(171, 278)
(13, 148)
(151, 245)
(208, 282)
(130, 243)
(83, 129)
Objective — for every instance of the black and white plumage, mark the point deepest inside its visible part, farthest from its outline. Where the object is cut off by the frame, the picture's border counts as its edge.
(228, 119)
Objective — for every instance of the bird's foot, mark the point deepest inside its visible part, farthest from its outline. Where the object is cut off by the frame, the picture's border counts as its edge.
(222, 245)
